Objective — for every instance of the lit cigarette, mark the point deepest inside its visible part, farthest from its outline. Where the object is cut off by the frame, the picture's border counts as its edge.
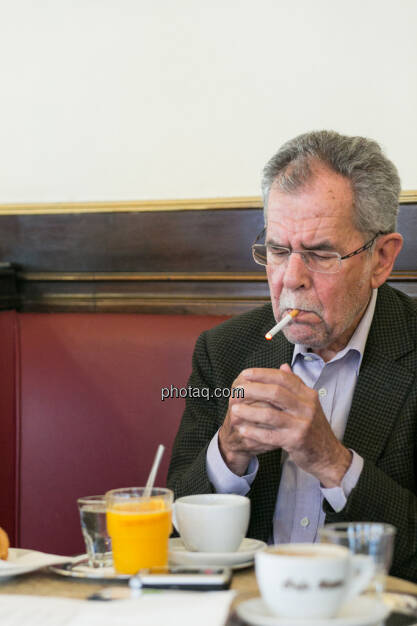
(285, 320)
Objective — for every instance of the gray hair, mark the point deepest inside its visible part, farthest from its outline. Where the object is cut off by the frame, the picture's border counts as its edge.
(374, 178)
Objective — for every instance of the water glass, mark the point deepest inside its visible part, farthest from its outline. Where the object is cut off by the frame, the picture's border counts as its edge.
(94, 528)
(374, 539)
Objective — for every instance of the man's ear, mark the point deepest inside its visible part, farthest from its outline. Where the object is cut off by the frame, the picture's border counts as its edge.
(387, 248)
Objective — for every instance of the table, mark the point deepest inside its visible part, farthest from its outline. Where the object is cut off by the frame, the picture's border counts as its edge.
(44, 583)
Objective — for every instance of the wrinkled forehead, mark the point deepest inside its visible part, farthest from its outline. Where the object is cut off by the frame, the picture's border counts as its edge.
(322, 207)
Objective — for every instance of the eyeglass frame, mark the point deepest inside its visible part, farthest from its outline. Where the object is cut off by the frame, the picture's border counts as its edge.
(365, 246)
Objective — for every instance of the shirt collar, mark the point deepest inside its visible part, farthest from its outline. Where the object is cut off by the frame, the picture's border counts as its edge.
(357, 341)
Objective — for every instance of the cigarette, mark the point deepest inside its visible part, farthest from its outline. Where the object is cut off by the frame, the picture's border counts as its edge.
(285, 320)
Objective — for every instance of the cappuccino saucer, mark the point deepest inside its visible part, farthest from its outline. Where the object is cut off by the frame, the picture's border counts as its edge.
(364, 611)
(243, 557)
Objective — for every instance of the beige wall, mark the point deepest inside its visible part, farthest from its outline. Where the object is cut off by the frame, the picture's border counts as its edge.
(141, 99)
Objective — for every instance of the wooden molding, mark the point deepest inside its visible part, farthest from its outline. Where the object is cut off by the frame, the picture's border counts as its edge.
(141, 276)
(408, 196)
(153, 304)
(134, 206)
(163, 276)
(138, 206)
(119, 292)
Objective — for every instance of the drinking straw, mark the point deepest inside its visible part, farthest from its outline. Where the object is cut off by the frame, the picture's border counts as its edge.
(152, 474)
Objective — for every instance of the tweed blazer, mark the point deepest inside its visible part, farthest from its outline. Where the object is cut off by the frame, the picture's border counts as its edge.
(381, 425)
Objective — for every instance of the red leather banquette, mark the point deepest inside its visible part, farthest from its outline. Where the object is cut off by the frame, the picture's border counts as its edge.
(81, 412)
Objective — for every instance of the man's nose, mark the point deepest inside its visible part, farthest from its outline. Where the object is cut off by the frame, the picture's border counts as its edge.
(296, 274)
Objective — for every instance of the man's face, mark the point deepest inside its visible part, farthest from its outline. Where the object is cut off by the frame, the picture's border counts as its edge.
(331, 305)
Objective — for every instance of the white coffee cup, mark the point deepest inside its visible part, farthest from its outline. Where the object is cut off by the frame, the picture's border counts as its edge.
(310, 580)
(211, 522)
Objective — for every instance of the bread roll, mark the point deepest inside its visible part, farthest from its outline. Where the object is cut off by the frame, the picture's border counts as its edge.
(4, 544)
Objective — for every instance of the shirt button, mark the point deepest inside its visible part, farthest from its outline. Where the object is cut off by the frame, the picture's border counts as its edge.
(305, 522)
(308, 358)
(322, 392)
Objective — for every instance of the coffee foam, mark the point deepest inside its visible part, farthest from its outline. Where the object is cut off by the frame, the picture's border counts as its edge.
(331, 553)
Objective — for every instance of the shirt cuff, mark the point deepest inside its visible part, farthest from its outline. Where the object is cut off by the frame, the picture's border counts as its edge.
(222, 478)
(337, 496)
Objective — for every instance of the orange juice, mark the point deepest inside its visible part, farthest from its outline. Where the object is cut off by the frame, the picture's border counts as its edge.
(139, 532)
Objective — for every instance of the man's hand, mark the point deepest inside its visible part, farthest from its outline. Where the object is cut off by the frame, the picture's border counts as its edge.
(279, 411)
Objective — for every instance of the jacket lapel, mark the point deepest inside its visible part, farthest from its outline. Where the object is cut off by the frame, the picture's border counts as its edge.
(383, 383)
(379, 395)
(263, 493)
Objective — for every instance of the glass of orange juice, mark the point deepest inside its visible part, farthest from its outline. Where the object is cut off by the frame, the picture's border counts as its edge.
(139, 527)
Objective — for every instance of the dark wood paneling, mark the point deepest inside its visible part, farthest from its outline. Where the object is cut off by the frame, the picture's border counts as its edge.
(8, 289)
(167, 261)
(407, 226)
(166, 241)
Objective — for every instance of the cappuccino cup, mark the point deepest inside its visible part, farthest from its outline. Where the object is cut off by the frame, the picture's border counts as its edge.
(212, 522)
(310, 580)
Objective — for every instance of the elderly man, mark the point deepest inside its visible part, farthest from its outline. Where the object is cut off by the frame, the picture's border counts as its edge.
(326, 430)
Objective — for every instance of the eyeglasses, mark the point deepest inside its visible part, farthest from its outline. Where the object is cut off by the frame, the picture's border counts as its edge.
(326, 262)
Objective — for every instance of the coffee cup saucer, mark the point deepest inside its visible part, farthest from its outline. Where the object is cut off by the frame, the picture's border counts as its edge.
(363, 611)
(243, 557)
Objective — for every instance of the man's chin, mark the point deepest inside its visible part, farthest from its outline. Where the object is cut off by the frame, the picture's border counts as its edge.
(304, 335)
